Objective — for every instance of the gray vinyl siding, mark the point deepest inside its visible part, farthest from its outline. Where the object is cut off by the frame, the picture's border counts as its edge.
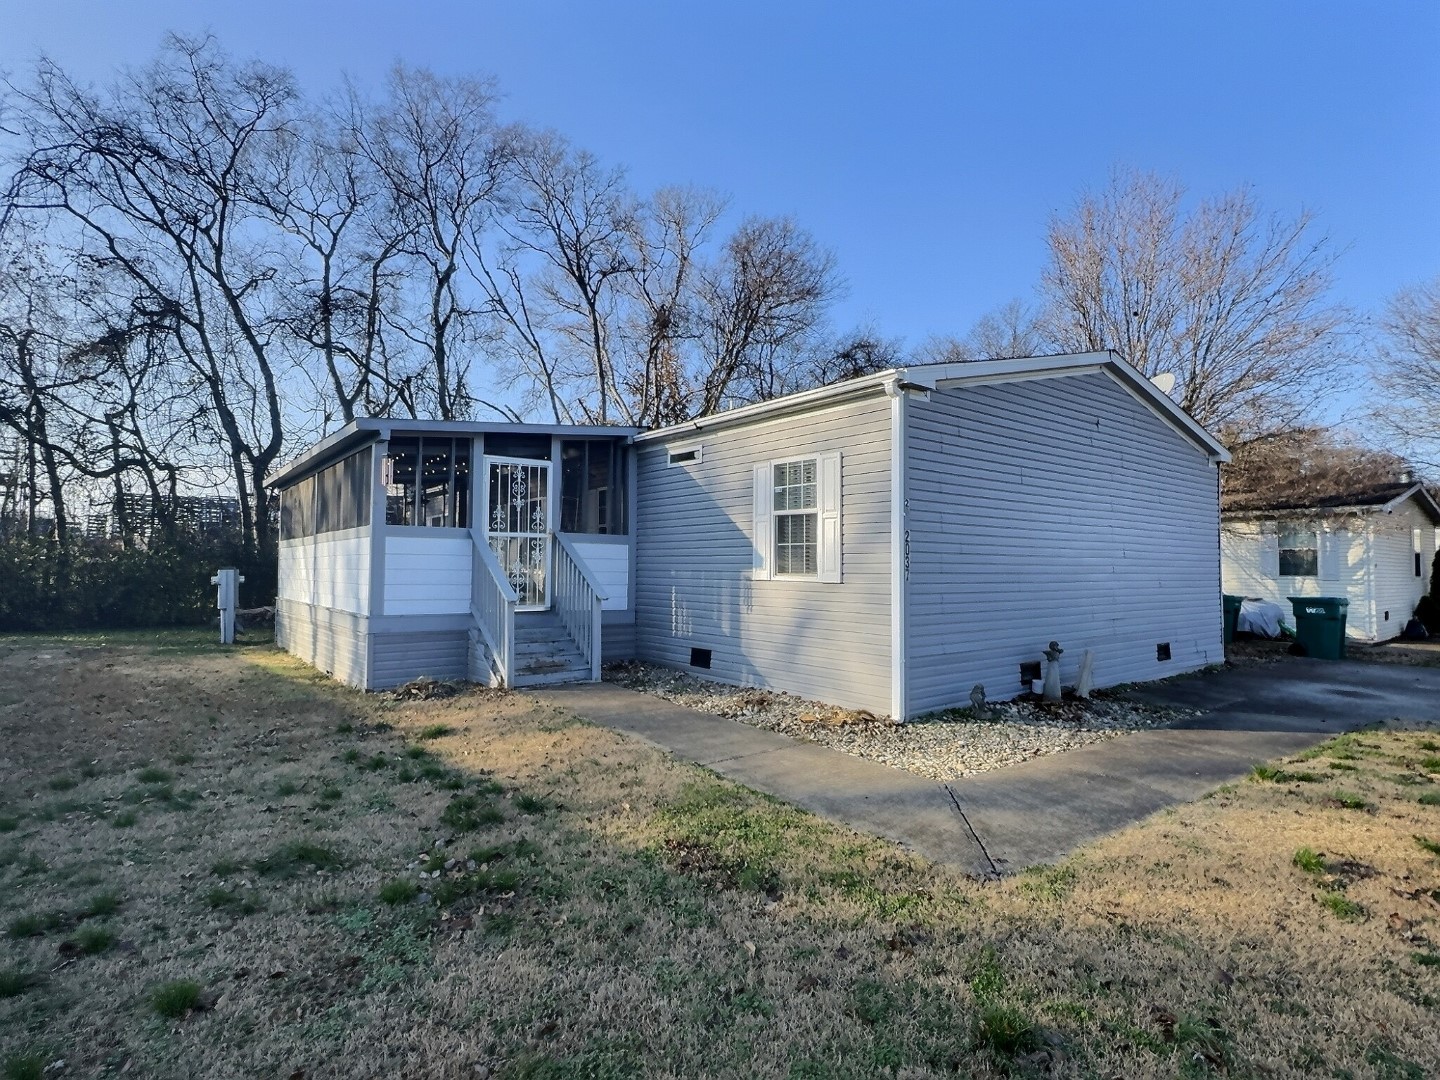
(1061, 509)
(397, 658)
(333, 641)
(693, 552)
(617, 636)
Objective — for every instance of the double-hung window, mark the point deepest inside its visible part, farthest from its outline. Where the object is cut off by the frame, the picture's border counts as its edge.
(797, 518)
(1299, 553)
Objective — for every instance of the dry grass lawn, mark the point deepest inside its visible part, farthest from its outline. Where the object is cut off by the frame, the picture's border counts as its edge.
(211, 866)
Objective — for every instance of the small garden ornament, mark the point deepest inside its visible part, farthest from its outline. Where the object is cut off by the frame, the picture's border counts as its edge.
(1052, 672)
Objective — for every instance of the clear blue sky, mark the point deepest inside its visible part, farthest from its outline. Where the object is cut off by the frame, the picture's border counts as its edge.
(924, 143)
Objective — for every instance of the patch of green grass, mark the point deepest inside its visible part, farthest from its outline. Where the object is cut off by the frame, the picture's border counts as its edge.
(1341, 766)
(1429, 744)
(467, 813)
(345, 727)
(35, 924)
(1430, 763)
(1426, 959)
(1004, 1030)
(529, 804)
(375, 763)
(153, 774)
(398, 891)
(286, 786)
(435, 731)
(1391, 1066)
(93, 939)
(173, 1000)
(1432, 846)
(25, 1067)
(125, 819)
(14, 981)
(63, 782)
(223, 868)
(101, 904)
(328, 798)
(297, 856)
(1309, 860)
(1049, 882)
(1349, 801)
(1341, 906)
(350, 756)
(9, 824)
(452, 890)
(1277, 775)
(1430, 798)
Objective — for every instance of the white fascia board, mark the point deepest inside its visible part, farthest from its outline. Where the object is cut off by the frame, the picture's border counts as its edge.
(1421, 496)
(382, 428)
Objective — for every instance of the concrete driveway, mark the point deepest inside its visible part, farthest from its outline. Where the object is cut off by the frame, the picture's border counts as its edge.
(1038, 812)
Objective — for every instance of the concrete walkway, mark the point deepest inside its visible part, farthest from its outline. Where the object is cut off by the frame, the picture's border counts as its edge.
(1040, 811)
(871, 798)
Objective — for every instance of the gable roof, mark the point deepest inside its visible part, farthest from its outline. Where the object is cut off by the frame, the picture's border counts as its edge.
(1375, 499)
(925, 377)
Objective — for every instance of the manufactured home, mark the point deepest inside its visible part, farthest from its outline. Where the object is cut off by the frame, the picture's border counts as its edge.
(1375, 547)
(884, 543)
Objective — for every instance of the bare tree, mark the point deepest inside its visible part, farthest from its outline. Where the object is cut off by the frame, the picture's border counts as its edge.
(1302, 465)
(1407, 372)
(659, 331)
(760, 305)
(157, 177)
(443, 158)
(1231, 299)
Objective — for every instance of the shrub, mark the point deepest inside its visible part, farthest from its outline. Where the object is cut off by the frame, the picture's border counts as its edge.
(174, 999)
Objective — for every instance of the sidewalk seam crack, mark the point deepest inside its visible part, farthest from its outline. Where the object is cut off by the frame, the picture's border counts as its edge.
(994, 870)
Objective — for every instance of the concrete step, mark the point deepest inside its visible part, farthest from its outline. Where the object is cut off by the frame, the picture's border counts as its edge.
(554, 678)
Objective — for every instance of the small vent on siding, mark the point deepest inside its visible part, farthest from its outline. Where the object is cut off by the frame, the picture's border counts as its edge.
(1387, 616)
(1029, 672)
(688, 455)
(1162, 651)
(700, 658)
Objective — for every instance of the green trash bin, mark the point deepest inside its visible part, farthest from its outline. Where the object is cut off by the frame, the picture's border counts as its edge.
(1320, 625)
(1231, 605)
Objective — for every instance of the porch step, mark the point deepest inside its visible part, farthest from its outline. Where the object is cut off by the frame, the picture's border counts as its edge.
(545, 653)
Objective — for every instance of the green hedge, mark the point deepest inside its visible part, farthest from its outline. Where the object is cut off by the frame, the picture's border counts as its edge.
(99, 584)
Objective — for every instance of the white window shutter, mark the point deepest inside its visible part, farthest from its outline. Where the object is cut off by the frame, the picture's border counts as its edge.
(764, 523)
(830, 517)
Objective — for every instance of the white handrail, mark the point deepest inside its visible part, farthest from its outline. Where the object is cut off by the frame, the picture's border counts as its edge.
(492, 603)
(577, 597)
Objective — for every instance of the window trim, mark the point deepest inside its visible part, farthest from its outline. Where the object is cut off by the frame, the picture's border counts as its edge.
(827, 511)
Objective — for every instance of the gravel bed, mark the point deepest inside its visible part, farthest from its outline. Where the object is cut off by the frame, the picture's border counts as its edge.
(943, 746)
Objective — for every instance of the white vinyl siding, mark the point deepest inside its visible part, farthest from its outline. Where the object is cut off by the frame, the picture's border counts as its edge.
(427, 575)
(1058, 509)
(698, 535)
(609, 561)
(331, 570)
(1368, 558)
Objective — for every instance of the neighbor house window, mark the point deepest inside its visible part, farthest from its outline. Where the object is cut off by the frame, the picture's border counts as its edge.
(1299, 553)
(1417, 547)
(797, 518)
(427, 481)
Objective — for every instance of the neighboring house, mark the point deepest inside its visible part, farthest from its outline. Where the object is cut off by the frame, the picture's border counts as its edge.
(884, 543)
(1375, 547)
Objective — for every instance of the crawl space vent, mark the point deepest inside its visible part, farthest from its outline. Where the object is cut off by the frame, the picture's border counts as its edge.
(1162, 651)
(700, 658)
